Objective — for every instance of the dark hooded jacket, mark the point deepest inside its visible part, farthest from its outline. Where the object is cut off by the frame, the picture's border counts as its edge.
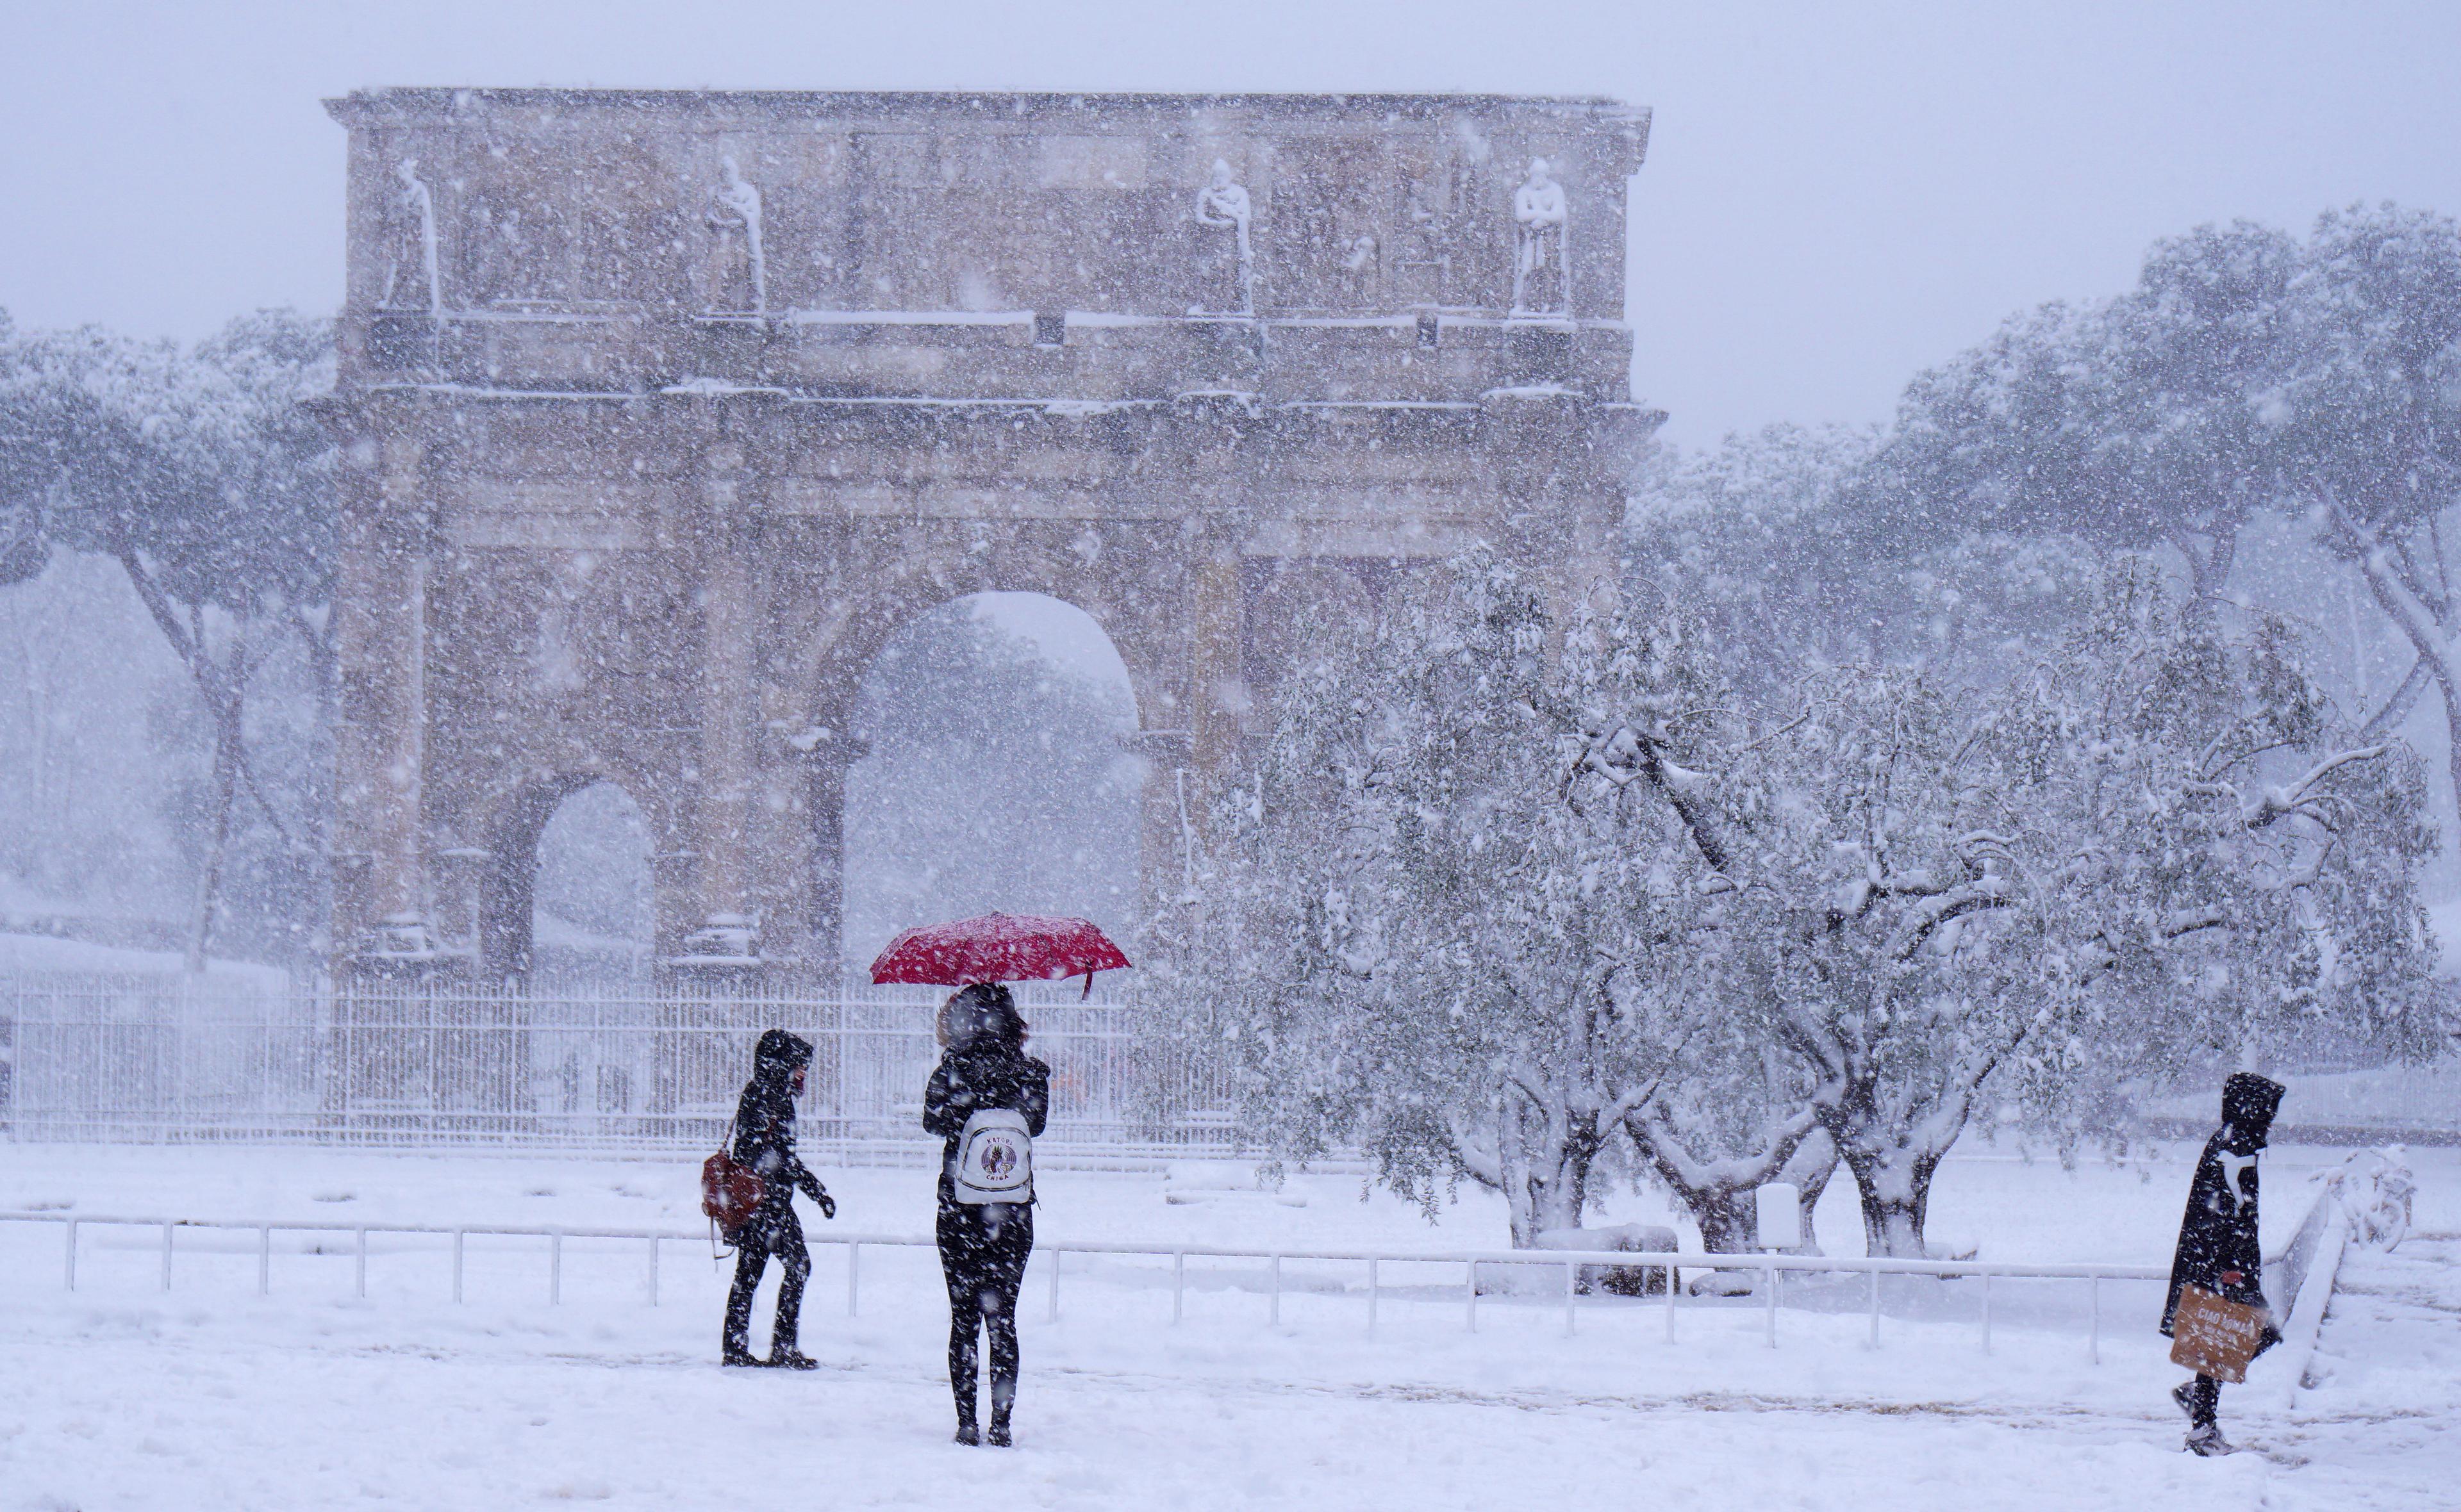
(2217, 1234)
(983, 1070)
(764, 1121)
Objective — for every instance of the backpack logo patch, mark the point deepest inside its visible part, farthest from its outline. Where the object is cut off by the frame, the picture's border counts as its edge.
(994, 1158)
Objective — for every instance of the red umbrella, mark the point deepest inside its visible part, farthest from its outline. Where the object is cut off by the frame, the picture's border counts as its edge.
(998, 948)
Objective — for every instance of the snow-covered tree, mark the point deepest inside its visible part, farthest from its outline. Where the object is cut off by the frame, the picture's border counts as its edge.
(1791, 545)
(1432, 928)
(2370, 410)
(2147, 421)
(2162, 837)
(207, 478)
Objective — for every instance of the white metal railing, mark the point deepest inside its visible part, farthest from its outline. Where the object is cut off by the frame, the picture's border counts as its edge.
(1772, 1268)
(94, 1058)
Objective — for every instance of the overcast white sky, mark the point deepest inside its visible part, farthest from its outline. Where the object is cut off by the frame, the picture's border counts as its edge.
(1836, 195)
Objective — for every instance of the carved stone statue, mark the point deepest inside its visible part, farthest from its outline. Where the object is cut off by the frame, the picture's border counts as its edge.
(738, 270)
(410, 277)
(1541, 278)
(1363, 270)
(1228, 282)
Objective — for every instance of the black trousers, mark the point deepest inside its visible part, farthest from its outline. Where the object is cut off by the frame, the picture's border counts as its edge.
(2204, 1401)
(772, 1231)
(983, 1251)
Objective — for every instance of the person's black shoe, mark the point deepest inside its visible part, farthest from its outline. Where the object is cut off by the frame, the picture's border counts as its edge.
(736, 1356)
(970, 1436)
(791, 1358)
(999, 1437)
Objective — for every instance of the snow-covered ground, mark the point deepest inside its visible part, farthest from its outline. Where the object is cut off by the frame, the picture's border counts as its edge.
(120, 1395)
(21, 952)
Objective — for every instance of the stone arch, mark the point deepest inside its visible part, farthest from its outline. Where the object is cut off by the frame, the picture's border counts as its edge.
(505, 889)
(851, 638)
(1032, 880)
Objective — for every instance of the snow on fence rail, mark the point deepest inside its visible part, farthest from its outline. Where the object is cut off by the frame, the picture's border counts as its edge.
(1773, 1267)
(162, 1059)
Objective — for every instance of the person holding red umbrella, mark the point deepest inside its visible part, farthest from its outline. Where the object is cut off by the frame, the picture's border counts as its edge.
(988, 1099)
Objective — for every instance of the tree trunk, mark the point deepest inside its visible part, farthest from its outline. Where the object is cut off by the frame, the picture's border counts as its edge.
(1720, 1194)
(225, 790)
(1728, 1215)
(1547, 1163)
(1894, 1184)
(1813, 1162)
(2424, 625)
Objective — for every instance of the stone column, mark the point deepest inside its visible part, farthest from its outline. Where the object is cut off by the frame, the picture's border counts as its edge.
(825, 786)
(383, 920)
(1211, 462)
(727, 939)
(1217, 668)
(1537, 447)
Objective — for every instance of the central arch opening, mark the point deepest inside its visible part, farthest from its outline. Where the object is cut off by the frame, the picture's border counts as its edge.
(996, 774)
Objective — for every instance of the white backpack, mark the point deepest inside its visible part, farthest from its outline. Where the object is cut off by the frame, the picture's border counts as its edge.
(995, 1158)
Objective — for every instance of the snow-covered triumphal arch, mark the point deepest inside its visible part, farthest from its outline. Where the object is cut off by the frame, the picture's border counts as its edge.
(659, 411)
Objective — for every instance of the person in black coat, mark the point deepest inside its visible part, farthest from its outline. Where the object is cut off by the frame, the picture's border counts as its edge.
(983, 1247)
(2218, 1247)
(764, 1144)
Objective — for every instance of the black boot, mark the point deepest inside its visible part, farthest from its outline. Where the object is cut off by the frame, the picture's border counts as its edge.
(733, 1353)
(787, 1357)
(1003, 1398)
(966, 1431)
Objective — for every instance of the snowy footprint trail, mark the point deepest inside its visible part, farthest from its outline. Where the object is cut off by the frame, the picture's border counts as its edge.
(143, 1408)
(2377, 1422)
(127, 1402)
(120, 1395)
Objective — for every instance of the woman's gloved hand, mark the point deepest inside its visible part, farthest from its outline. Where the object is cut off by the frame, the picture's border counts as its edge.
(828, 1204)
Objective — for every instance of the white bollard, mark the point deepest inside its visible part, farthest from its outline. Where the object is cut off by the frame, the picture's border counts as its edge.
(263, 1260)
(457, 1265)
(555, 1268)
(1276, 1316)
(1572, 1287)
(654, 1270)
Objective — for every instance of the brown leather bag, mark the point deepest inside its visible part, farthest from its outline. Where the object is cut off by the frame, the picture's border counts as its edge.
(729, 1191)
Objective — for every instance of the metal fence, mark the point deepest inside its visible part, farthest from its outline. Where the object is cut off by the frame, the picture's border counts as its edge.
(1556, 1275)
(609, 1067)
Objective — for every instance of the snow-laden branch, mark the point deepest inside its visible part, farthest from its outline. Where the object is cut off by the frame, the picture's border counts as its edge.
(2276, 801)
(1925, 917)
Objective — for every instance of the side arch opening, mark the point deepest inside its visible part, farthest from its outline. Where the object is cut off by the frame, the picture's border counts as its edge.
(568, 901)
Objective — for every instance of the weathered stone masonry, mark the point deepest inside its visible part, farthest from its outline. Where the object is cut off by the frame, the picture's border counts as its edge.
(661, 412)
